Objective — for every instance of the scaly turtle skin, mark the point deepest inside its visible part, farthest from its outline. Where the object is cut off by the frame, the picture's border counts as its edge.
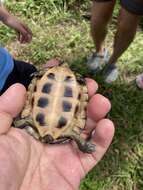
(55, 111)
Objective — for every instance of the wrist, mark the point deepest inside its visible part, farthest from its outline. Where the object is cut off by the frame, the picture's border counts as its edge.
(3, 18)
(11, 22)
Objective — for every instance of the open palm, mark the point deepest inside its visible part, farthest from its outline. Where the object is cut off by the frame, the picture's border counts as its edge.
(27, 164)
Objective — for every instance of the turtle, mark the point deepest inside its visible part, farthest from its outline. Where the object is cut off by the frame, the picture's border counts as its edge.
(55, 109)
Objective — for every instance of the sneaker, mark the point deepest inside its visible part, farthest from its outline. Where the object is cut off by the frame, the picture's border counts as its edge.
(96, 61)
(110, 73)
(139, 81)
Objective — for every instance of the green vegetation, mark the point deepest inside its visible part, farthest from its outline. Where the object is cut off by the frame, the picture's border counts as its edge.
(60, 30)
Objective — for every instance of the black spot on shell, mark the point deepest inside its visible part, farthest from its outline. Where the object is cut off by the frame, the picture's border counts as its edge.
(67, 106)
(51, 76)
(68, 79)
(42, 102)
(47, 88)
(62, 122)
(40, 118)
(68, 92)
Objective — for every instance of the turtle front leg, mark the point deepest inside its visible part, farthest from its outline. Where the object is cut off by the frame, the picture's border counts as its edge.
(22, 122)
(26, 123)
(80, 79)
(39, 73)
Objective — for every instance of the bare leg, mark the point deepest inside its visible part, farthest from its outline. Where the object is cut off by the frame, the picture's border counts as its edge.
(126, 30)
(101, 15)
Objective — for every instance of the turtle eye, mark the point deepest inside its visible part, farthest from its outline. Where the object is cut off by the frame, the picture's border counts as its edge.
(68, 79)
(51, 76)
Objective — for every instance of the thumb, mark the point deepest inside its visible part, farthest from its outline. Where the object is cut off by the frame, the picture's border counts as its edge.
(13, 100)
(11, 103)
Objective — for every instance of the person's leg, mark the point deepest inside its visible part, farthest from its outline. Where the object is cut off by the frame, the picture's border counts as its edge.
(101, 15)
(139, 81)
(21, 73)
(11, 79)
(127, 25)
(126, 30)
(24, 71)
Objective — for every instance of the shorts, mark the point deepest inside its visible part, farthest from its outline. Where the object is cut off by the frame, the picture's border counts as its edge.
(133, 6)
(21, 73)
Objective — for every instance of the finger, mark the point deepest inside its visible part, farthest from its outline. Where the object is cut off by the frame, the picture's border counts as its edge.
(97, 109)
(92, 86)
(21, 34)
(27, 29)
(24, 38)
(27, 34)
(5, 122)
(21, 37)
(52, 63)
(29, 38)
(102, 138)
(12, 101)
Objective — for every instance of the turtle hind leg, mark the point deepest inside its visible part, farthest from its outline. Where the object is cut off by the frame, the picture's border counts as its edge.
(83, 145)
(30, 130)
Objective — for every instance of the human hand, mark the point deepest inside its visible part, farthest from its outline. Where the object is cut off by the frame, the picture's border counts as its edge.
(28, 164)
(24, 33)
(52, 62)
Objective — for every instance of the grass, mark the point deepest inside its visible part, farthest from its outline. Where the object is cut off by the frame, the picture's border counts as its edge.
(63, 33)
